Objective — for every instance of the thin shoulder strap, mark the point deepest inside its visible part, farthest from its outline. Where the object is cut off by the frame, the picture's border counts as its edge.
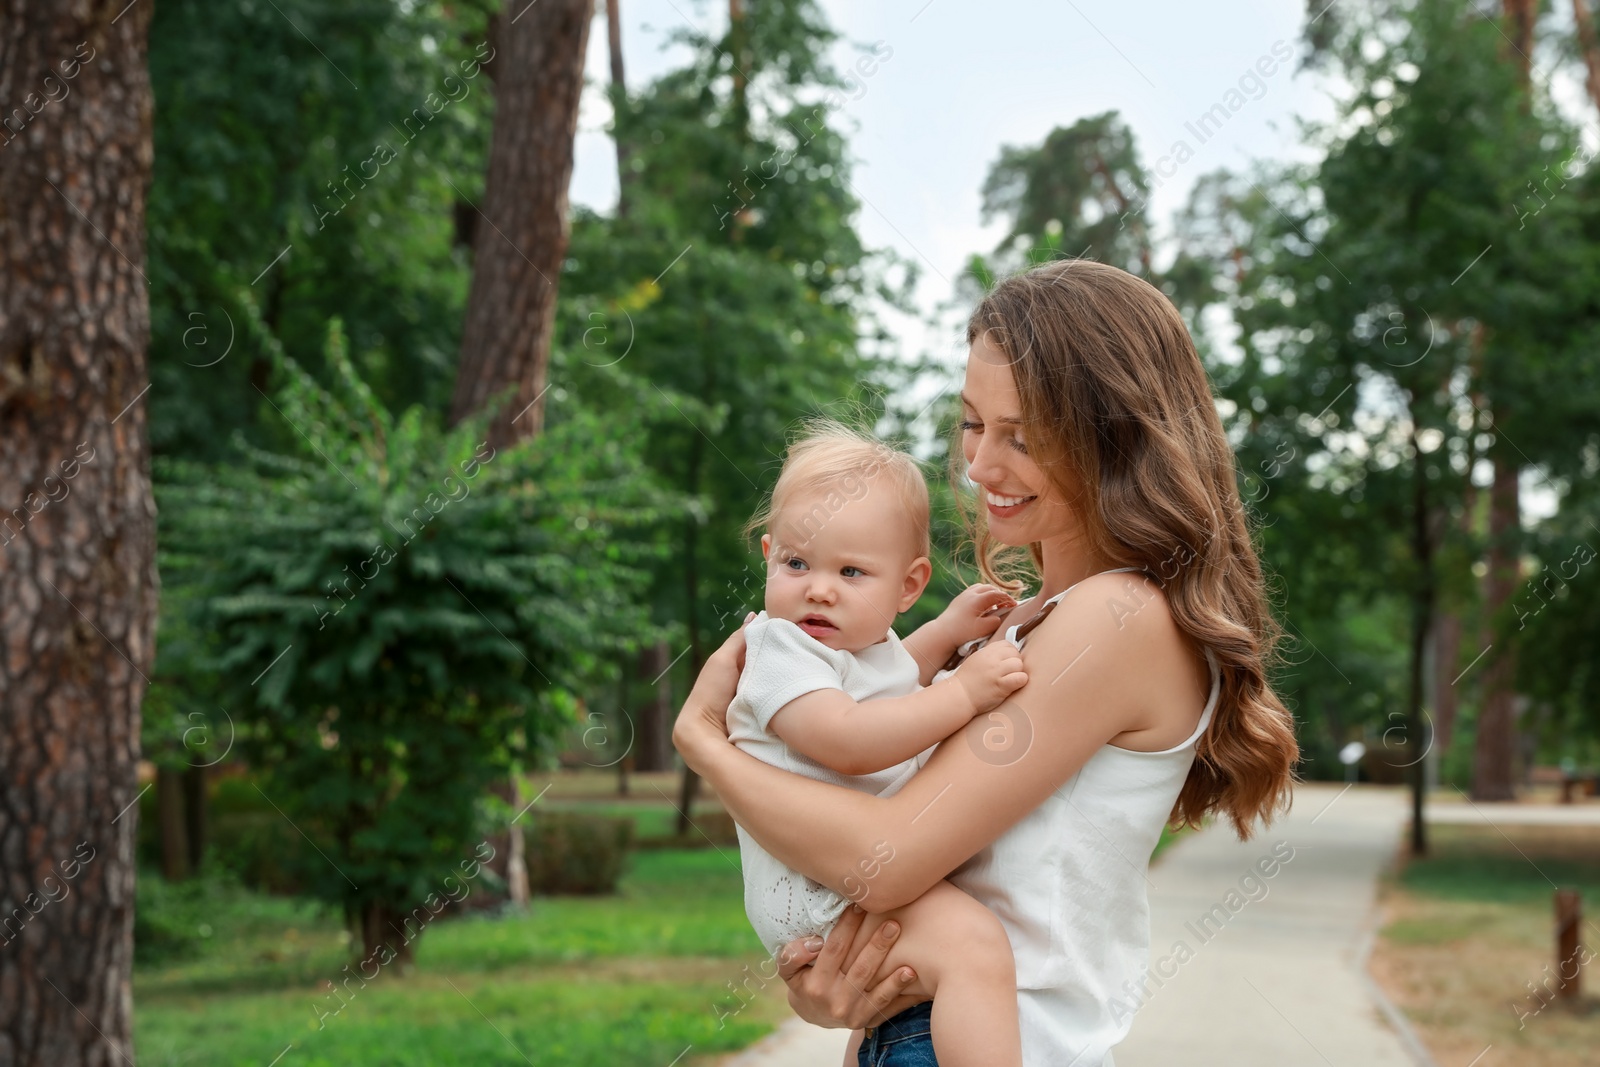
(1049, 605)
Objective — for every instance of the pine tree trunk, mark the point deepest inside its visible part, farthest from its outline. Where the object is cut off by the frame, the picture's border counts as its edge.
(1495, 748)
(519, 249)
(1446, 667)
(1589, 47)
(195, 803)
(174, 828)
(1495, 752)
(1449, 628)
(1423, 597)
(619, 94)
(653, 719)
(381, 925)
(77, 574)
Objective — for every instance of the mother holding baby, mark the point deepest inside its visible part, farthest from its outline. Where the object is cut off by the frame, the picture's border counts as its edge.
(1090, 432)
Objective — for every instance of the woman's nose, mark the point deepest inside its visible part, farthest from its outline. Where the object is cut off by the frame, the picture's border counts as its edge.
(983, 467)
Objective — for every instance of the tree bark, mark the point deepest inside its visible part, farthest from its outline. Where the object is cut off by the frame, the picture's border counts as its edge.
(1495, 751)
(619, 96)
(174, 828)
(510, 859)
(1589, 47)
(1422, 604)
(653, 720)
(77, 567)
(195, 804)
(1495, 747)
(1446, 666)
(1520, 18)
(689, 781)
(518, 252)
(382, 925)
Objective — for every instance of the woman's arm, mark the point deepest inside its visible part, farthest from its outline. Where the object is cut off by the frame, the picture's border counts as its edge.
(1086, 674)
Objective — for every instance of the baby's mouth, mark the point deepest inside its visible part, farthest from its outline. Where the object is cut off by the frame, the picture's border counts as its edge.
(817, 626)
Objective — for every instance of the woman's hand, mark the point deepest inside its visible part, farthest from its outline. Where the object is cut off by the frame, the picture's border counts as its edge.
(830, 982)
(704, 718)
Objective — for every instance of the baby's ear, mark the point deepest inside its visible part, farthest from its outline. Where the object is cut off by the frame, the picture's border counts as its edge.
(766, 546)
(917, 576)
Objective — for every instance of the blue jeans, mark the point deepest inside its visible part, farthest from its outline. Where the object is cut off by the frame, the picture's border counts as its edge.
(906, 1040)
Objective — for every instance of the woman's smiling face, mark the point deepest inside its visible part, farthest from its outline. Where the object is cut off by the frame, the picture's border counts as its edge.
(1022, 503)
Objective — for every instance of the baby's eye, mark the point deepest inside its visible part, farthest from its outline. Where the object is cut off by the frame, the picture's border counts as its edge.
(795, 563)
(846, 571)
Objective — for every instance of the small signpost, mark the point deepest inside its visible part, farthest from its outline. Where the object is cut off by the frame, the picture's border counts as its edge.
(1350, 755)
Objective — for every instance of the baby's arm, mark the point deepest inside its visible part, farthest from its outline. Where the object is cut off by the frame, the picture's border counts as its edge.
(854, 738)
(973, 613)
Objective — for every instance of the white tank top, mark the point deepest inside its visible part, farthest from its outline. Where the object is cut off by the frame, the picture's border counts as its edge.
(1068, 882)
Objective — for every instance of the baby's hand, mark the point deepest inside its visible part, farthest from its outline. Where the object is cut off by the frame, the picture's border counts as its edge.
(975, 612)
(991, 674)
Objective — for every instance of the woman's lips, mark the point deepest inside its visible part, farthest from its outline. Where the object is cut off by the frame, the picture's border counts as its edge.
(1008, 512)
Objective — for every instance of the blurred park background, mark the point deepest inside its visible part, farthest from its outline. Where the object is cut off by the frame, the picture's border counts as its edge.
(385, 382)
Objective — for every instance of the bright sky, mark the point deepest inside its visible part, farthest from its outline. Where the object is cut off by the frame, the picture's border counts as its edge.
(930, 121)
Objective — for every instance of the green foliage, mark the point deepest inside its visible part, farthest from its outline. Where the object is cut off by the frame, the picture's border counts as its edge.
(398, 615)
(176, 920)
(339, 137)
(1400, 323)
(569, 852)
(1083, 186)
(733, 293)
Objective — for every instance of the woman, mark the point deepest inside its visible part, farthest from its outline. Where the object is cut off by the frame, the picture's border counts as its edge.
(1089, 429)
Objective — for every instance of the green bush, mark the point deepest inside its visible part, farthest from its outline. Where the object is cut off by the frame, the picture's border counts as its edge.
(570, 852)
(399, 616)
(172, 920)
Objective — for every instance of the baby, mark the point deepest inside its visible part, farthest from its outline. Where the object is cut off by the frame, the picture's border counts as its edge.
(829, 691)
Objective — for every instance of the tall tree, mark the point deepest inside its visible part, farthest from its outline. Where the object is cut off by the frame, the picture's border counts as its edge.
(1495, 746)
(319, 180)
(736, 288)
(619, 98)
(517, 259)
(1083, 183)
(1589, 47)
(77, 576)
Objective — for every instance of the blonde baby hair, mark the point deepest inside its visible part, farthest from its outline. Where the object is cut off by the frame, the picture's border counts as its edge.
(842, 460)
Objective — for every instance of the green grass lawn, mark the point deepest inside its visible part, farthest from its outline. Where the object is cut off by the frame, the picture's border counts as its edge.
(232, 977)
(636, 978)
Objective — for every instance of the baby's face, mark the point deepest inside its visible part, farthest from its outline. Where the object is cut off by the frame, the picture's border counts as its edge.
(842, 568)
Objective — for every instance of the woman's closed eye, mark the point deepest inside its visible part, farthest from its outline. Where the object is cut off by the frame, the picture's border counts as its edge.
(967, 426)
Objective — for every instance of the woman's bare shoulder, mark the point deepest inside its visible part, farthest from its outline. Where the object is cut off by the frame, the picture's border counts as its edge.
(1156, 677)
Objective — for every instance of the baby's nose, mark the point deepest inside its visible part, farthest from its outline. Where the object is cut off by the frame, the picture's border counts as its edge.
(821, 588)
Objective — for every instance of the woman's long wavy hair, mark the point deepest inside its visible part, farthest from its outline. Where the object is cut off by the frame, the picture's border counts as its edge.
(1118, 412)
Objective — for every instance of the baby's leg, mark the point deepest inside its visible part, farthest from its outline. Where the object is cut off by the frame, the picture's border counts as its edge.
(963, 959)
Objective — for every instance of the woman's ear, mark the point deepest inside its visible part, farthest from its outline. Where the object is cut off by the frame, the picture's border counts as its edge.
(917, 576)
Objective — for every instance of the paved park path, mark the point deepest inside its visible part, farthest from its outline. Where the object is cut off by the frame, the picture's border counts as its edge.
(1276, 975)
(1283, 980)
